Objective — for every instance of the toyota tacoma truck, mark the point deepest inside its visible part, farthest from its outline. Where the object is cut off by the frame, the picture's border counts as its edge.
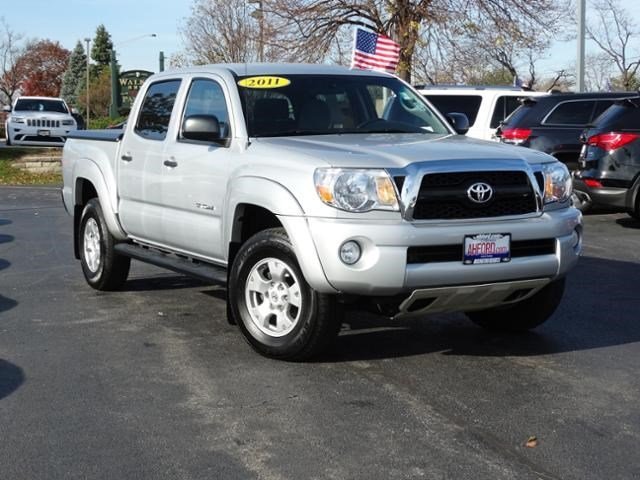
(311, 190)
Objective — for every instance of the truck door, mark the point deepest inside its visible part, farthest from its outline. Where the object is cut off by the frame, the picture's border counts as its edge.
(196, 173)
(141, 166)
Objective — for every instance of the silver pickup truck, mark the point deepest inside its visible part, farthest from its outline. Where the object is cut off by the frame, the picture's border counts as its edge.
(314, 189)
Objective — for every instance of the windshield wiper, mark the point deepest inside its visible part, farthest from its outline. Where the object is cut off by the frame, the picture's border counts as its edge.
(391, 130)
(293, 133)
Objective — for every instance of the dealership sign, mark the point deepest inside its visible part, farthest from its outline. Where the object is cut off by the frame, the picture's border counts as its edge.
(130, 83)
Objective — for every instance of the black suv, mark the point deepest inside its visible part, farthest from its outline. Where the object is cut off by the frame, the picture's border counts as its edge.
(609, 165)
(553, 123)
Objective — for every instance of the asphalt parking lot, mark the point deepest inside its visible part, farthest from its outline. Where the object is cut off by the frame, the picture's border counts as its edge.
(151, 382)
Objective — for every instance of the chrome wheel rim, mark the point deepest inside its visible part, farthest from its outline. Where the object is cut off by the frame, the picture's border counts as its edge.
(273, 297)
(92, 245)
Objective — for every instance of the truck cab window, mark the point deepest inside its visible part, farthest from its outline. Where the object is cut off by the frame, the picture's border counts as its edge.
(207, 98)
(155, 113)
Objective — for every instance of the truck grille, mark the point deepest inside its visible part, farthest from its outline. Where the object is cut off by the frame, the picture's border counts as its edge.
(443, 196)
(43, 123)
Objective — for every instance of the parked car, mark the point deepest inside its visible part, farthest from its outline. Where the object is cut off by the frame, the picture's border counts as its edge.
(485, 107)
(609, 165)
(41, 121)
(553, 123)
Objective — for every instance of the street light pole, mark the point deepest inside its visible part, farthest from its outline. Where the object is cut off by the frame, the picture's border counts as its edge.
(88, 40)
(581, 41)
(258, 14)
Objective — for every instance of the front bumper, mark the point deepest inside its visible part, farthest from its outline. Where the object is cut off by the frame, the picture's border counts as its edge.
(26, 135)
(383, 269)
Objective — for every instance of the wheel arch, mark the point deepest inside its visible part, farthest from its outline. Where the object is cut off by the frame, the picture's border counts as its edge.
(256, 203)
(90, 183)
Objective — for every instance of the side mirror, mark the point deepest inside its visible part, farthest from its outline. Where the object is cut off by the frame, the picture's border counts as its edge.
(75, 111)
(202, 128)
(6, 108)
(459, 122)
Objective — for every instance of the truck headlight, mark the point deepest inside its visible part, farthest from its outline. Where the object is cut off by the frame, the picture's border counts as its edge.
(67, 122)
(17, 120)
(356, 190)
(557, 182)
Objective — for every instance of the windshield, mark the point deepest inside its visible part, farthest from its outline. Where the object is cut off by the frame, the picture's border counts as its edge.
(333, 104)
(40, 105)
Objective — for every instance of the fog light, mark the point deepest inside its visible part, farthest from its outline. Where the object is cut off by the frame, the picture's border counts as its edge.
(350, 252)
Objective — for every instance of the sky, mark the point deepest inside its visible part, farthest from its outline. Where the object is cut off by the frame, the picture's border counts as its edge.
(128, 21)
(131, 23)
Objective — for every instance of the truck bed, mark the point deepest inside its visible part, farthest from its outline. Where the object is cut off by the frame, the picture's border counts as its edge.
(107, 135)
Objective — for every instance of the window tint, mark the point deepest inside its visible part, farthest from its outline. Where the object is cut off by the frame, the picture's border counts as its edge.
(504, 106)
(207, 98)
(467, 104)
(620, 117)
(153, 120)
(327, 104)
(33, 105)
(571, 113)
(519, 115)
(601, 106)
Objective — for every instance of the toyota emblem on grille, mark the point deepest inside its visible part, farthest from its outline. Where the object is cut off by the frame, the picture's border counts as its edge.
(480, 192)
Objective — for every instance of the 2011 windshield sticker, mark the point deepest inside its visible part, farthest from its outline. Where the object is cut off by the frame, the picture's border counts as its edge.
(264, 82)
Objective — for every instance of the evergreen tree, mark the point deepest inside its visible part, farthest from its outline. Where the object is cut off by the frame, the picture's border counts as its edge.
(102, 46)
(75, 74)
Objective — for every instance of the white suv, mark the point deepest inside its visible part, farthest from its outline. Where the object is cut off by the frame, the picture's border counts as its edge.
(485, 107)
(42, 121)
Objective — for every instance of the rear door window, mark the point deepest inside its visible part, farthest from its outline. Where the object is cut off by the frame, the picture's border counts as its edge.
(467, 104)
(571, 113)
(155, 113)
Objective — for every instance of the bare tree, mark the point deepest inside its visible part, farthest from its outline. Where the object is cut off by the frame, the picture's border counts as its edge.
(615, 33)
(10, 52)
(219, 31)
(318, 22)
(598, 71)
(478, 56)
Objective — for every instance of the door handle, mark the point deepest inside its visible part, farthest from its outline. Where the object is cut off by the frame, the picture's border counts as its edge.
(126, 158)
(171, 163)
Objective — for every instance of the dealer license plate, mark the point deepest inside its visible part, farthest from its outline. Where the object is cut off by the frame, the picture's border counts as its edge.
(44, 133)
(486, 248)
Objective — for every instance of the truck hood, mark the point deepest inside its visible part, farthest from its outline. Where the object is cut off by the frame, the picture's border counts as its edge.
(398, 150)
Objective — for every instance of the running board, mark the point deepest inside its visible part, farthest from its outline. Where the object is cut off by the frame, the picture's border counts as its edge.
(204, 271)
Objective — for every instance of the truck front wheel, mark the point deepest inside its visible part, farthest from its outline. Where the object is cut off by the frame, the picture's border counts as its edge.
(524, 315)
(279, 314)
(102, 267)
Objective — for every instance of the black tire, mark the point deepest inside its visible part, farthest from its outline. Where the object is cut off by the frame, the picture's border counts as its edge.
(317, 319)
(103, 268)
(635, 213)
(524, 315)
(7, 140)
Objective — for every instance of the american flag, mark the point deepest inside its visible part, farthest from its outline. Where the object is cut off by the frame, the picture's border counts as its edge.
(372, 51)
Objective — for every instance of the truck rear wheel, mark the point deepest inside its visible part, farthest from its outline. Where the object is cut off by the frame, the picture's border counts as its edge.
(279, 314)
(102, 267)
(524, 315)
